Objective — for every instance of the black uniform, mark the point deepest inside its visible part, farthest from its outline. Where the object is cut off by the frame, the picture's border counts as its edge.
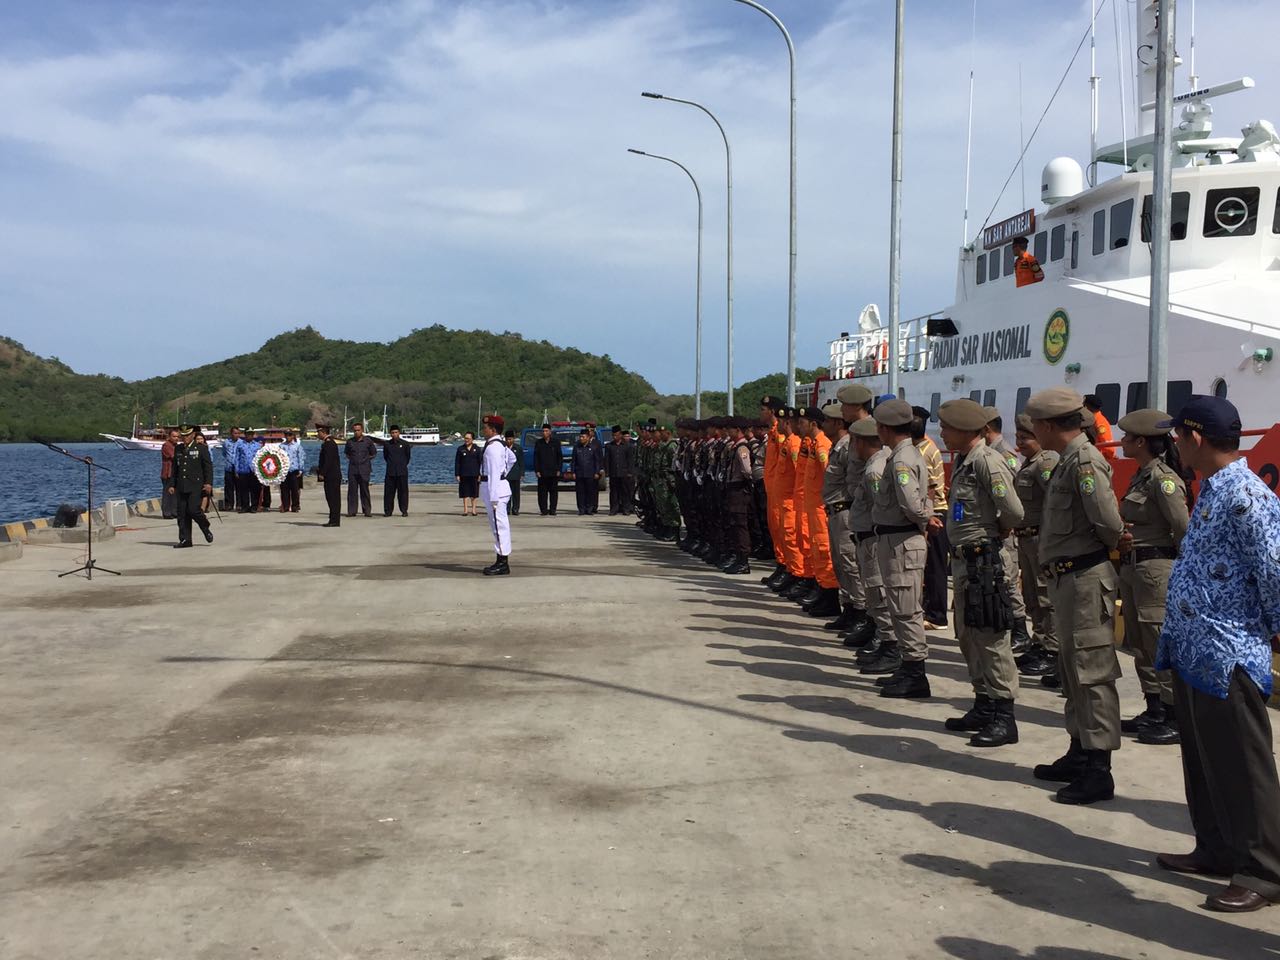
(395, 485)
(548, 458)
(514, 476)
(620, 467)
(192, 472)
(360, 454)
(330, 473)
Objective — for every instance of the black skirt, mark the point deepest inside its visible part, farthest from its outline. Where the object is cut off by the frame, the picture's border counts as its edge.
(468, 487)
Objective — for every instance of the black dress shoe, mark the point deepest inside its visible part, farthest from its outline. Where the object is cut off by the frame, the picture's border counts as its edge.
(330, 524)
(1052, 681)
(182, 544)
(1164, 734)
(1236, 899)
(1188, 863)
(208, 534)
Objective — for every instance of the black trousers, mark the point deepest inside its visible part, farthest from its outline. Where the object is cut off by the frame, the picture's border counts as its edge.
(548, 494)
(168, 501)
(333, 497)
(513, 505)
(264, 494)
(395, 489)
(289, 491)
(588, 493)
(228, 490)
(358, 485)
(188, 512)
(622, 495)
(937, 565)
(1229, 773)
(246, 492)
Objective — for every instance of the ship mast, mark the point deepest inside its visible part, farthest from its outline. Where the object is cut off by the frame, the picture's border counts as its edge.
(895, 207)
(1161, 196)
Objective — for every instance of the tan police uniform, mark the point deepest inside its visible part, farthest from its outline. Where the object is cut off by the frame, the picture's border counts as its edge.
(1032, 482)
(900, 512)
(869, 475)
(1012, 566)
(1154, 508)
(1080, 526)
(835, 494)
(983, 508)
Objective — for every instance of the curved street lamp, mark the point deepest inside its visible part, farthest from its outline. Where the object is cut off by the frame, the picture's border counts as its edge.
(697, 350)
(728, 169)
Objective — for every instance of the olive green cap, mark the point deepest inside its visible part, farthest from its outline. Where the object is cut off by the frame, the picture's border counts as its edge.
(1024, 424)
(964, 414)
(1145, 423)
(991, 413)
(854, 393)
(1052, 403)
(894, 413)
(865, 428)
(834, 411)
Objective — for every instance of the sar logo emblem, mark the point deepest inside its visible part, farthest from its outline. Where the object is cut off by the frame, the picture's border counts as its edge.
(1088, 485)
(999, 489)
(1057, 332)
(904, 477)
(1167, 487)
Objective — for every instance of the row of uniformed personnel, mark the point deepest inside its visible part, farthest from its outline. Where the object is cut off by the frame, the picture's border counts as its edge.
(842, 498)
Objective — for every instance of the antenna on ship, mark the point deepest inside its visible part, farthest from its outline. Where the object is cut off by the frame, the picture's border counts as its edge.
(1094, 79)
(968, 141)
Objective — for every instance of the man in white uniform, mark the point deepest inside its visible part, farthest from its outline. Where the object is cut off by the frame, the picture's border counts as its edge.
(495, 491)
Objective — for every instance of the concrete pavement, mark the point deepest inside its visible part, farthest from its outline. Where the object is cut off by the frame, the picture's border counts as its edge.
(303, 743)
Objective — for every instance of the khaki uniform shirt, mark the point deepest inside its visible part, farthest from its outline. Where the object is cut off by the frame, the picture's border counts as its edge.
(1031, 482)
(1080, 512)
(835, 481)
(902, 493)
(861, 511)
(1009, 456)
(1155, 506)
(983, 502)
(937, 475)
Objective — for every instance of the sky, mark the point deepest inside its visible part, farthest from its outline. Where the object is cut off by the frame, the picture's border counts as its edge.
(180, 181)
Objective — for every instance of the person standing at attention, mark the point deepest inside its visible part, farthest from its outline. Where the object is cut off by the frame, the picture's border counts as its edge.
(168, 500)
(329, 473)
(587, 468)
(1220, 628)
(291, 488)
(620, 467)
(395, 483)
(1026, 268)
(229, 469)
(495, 491)
(359, 451)
(515, 474)
(467, 468)
(548, 459)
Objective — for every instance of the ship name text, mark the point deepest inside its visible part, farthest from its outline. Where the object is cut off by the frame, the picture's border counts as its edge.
(1009, 343)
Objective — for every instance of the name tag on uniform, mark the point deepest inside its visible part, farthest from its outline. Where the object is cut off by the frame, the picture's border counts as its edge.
(957, 511)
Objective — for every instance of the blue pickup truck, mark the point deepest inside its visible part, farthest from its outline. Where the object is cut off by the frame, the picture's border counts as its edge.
(566, 431)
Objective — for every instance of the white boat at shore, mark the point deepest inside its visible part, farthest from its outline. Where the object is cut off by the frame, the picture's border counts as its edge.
(154, 438)
(414, 436)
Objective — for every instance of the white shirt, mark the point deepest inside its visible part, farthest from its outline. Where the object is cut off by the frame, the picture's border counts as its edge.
(498, 459)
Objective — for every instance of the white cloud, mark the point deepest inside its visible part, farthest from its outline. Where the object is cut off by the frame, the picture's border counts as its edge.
(465, 163)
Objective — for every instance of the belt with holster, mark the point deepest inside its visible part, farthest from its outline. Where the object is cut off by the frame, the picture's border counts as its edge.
(1027, 531)
(1141, 554)
(881, 529)
(967, 551)
(861, 535)
(1058, 568)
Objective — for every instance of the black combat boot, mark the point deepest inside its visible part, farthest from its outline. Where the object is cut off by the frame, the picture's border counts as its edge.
(739, 566)
(978, 716)
(1019, 639)
(778, 571)
(886, 660)
(784, 583)
(1153, 714)
(886, 679)
(911, 683)
(728, 560)
(811, 596)
(1000, 729)
(498, 568)
(1093, 784)
(800, 589)
(1052, 680)
(1162, 734)
(670, 535)
(701, 548)
(1038, 661)
(1066, 768)
(828, 604)
(872, 651)
(842, 622)
(862, 631)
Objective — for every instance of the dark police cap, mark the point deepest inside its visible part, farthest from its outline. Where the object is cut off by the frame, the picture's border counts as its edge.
(187, 428)
(963, 414)
(1145, 423)
(616, 429)
(1053, 403)
(922, 413)
(511, 434)
(773, 403)
(812, 414)
(893, 413)
(1208, 416)
(864, 428)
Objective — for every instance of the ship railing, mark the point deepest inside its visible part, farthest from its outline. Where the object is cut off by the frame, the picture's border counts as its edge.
(867, 354)
(1198, 313)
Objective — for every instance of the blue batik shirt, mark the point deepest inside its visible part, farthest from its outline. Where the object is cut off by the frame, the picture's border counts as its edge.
(1224, 591)
(297, 459)
(245, 452)
(229, 450)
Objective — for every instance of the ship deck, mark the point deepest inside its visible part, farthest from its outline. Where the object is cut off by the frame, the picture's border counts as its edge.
(301, 743)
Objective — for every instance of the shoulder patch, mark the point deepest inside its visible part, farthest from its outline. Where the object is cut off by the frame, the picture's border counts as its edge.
(1012, 462)
(1087, 483)
(904, 476)
(999, 489)
(1046, 474)
(1168, 487)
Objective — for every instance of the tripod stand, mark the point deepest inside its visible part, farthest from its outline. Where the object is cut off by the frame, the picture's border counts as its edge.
(90, 564)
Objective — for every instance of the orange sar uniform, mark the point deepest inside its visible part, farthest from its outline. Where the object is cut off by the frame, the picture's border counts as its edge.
(1103, 426)
(824, 570)
(802, 451)
(773, 453)
(785, 488)
(1026, 269)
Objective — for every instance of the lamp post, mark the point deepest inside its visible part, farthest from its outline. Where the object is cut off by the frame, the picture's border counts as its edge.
(791, 272)
(697, 349)
(895, 207)
(728, 171)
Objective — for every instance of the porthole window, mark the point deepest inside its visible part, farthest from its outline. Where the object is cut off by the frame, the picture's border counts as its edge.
(1220, 388)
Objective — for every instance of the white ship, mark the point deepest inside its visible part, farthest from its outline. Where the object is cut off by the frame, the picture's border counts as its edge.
(416, 436)
(1085, 324)
(154, 438)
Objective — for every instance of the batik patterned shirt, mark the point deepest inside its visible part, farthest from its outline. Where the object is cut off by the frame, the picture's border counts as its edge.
(1224, 591)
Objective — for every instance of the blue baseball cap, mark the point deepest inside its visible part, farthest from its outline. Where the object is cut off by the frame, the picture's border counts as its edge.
(1208, 416)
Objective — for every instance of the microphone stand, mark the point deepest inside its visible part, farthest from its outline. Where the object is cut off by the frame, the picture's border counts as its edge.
(90, 564)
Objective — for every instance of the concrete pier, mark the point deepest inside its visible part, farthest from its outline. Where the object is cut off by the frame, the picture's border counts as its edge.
(302, 742)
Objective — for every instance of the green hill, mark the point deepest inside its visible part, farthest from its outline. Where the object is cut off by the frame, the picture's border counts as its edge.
(435, 375)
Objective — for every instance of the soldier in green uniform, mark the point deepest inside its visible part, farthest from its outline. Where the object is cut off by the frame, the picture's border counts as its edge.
(192, 479)
(1080, 526)
(900, 512)
(983, 509)
(1031, 483)
(664, 490)
(1154, 510)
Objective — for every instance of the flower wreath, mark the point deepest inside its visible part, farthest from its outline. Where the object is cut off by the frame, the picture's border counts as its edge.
(271, 465)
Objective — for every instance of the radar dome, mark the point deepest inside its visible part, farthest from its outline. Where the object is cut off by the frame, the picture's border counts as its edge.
(1061, 180)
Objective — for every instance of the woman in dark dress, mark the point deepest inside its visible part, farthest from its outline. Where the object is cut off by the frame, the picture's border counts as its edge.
(466, 470)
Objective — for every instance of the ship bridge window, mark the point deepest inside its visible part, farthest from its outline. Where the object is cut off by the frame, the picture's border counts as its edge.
(1275, 222)
(982, 268)
(935, 401)
(1220, 388)
(1099, 232)
(1010, 258)
(1179, 392)
(1137, 397)
(993, 261)
(989, 398)
(1020, 404)
(1108, 395)
(1040, 247)
(1121, 223)
(975, 396)
(1231, 212)
(1057, 242)
(1180, 213)
(1075, 249)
